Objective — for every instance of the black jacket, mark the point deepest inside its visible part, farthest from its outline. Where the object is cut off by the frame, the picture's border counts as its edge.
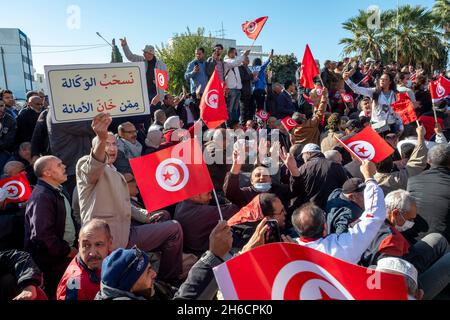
(26, 121)
(21, 265)
(320, 178)
(7, 133)
(246, 80)
(341, 212)
(39, 139)
(431, 191)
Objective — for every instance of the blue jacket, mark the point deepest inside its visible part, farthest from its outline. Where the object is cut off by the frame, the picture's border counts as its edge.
(261, 83)
(284, 105)
(341, 212)
(197, 79)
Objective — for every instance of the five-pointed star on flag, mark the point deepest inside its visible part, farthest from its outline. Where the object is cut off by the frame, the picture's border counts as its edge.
(324, 295)
(11, 191)
(167, 176)
(362, 150)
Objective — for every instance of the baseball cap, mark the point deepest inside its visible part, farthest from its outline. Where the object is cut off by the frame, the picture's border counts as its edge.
(353, 185)
(311, 147)
(150, 49)
(370, 60)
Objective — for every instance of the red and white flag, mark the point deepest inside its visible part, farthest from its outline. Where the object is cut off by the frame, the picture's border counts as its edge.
(308, 69)
(17, 188)
(297, 272)
(253, 28)
(367, 145)
(171, 175)
(262, 115)
(308, 99)
(347, 98)
(439, 89)
(405, 108)
(366, 79)
(162, 79)
(213, 107)
(289, 123)
(413, 77)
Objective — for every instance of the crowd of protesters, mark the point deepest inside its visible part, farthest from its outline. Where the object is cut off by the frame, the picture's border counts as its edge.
(85, 234)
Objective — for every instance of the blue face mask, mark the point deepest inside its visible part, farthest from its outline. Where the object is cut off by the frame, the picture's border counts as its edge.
(262, 187)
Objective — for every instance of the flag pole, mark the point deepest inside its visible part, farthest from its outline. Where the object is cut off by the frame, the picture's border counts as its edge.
(328, 98)
(347, 148)
(434, 111)
(218, 205)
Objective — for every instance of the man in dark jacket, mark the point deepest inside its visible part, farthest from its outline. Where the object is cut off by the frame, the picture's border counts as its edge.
(27, 118)
(247, 104)
(319, 176)
(284, 105)
(20, 277)
(50, 232)
(39, 140)
(261, 182)
(8, 129)
(198, 218)
(430, 189)
(345, 206)
(128, 275)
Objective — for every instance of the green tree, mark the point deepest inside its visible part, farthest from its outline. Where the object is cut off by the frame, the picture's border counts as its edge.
(284, 67)
(441, 16)
(179, 52)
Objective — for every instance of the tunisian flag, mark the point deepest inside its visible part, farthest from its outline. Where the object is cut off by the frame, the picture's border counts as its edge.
(17, 188)
(253, 28)
(289, 123)
(286, 271)
(347, 98)
(367, 145)
(171, 175)
(162, 81)
(262, 115)
(213, 107)
(439, 89)
(405, 108)
(308, 69)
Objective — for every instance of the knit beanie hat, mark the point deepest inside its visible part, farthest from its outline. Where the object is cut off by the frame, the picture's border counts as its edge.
(122, 268)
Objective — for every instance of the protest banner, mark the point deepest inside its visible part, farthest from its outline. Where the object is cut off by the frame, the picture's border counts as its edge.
(80, 92)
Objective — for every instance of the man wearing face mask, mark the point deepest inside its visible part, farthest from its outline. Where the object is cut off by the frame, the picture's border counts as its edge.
(430, 255)
(261, 182)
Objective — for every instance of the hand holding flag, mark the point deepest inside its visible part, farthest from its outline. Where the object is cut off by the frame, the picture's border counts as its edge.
(17, 188)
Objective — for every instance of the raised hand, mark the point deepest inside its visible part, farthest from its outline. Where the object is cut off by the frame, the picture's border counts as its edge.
(100, 125)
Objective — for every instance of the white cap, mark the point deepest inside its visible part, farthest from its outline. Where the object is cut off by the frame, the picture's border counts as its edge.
(311, 147)
(369, 60)
(172, 123)
(397, 265)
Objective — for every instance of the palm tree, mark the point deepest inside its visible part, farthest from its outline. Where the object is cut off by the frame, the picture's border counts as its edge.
(441, 16)
(366, 42)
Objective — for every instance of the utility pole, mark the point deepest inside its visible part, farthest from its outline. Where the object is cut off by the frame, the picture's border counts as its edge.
(396, 38)
(4, 66)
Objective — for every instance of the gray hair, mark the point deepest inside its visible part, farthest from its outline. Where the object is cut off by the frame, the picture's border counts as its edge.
(96, 224)
(309, 221)
(11, 165)
(333, 155)
(399, 199)
(41, 165)
(95, 140)
(439, 155)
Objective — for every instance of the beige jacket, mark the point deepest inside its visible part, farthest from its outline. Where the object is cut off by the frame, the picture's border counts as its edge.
(399, 179)
(103, 194)
(328, 141)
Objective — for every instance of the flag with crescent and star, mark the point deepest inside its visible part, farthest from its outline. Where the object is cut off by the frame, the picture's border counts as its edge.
(171, 175)
(17, 188)
(297, 272)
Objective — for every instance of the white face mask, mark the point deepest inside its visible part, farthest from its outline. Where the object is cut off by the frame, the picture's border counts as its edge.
(262, 187)
(408, 225)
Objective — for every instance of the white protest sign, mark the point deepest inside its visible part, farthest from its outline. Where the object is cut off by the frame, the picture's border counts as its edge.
(80, 92)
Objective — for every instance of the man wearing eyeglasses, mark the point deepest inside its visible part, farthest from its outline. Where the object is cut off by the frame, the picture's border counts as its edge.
(127, 141)
(27, 118)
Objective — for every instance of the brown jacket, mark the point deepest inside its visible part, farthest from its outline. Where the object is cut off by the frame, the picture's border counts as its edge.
(329, 142)
(308, 131)
(104, 194)
(399, 179)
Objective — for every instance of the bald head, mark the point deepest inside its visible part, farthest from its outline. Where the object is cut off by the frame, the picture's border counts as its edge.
(42, 164)
(309, 221)
(13, 168)
(160, 116)
(51, 170)
(35, 102)
(95, 225)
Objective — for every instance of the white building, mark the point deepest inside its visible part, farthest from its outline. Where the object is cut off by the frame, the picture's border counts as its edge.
(39, 83)
(16, 64)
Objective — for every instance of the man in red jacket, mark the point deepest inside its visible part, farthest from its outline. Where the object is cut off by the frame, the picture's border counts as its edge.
(81, 281)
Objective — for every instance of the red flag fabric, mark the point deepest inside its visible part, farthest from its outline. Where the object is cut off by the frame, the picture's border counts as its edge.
(262, 115)
(347, 98)
(413, 77)
(297, 272)
(439, 89)
(308, 69)
(308, 99)
(213, 107)
(368, 145)
(17, 188)
(366, 79)
(253, 28)
(289, 123)
(162, 79)
(405, 108)
(171, 175)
